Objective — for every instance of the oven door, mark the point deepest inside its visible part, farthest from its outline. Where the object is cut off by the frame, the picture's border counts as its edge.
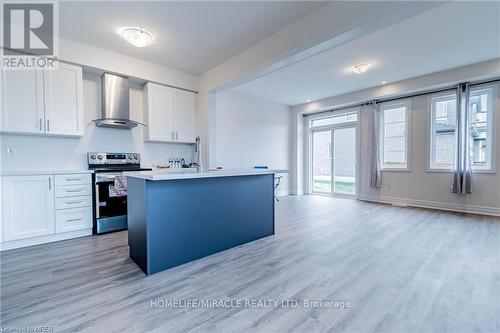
(110, 205)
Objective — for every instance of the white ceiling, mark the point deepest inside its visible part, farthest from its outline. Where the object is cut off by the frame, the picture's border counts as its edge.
(449, 36)
(190, 36)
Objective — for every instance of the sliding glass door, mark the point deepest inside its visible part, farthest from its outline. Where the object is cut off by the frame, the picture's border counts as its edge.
(333, 155)
(344, 160)
(322, 161)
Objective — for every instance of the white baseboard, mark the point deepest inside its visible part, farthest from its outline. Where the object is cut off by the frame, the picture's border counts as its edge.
(15, 244)
(453, 207)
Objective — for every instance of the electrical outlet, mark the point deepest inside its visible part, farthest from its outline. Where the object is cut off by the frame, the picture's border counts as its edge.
(10, 151)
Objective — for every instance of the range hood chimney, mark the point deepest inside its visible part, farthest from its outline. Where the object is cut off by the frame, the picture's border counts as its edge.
(115, 103)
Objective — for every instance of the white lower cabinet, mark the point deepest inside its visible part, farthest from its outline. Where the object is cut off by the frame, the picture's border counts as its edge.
(74, 202)
(28, 206)
(43, 208)
(73, 219)
(73, 190)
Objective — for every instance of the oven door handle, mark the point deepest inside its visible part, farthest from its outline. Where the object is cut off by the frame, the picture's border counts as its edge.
(106, 178)
(97, 215)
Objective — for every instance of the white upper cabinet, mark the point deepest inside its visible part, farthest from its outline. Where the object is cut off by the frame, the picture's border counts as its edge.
(63, 100)
(22, 101)
(43, 102)
(159, 115)
(184, 116)
(23, 217)
(170, 114)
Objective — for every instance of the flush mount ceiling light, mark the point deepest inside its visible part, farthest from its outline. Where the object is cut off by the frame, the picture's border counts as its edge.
(137, 36)
(360, 68)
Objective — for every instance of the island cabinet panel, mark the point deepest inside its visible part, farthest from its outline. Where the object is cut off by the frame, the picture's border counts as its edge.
(172, 222)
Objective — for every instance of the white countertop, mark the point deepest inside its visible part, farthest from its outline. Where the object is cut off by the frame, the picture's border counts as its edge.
(165, 175)
(42, 172)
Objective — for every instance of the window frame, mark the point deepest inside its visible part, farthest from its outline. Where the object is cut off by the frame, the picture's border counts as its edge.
(432, 166)
(334, 113)
(308, 144)
(490, 129)
(392, 105)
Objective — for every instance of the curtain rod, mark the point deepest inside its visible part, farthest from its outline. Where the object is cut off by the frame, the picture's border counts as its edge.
(390, 99)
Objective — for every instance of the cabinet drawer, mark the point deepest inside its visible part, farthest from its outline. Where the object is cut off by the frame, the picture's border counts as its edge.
(74, 202)
(72, 190)
(73, 219)
(76, 179)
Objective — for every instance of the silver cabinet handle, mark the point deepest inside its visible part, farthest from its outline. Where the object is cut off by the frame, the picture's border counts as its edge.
(48, 125)
(172, 135)
(73, 220)
(73, 202)
(50, 184)
(176, 135)
(73, 179)
(40, 121)
(70, 191)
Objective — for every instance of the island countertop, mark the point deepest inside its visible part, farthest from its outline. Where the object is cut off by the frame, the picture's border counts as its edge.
(180, 174)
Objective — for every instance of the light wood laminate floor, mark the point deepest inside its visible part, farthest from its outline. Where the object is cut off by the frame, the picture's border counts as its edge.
(402, 270)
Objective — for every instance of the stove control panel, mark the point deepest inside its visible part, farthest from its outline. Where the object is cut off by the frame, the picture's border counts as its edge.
(101, 159)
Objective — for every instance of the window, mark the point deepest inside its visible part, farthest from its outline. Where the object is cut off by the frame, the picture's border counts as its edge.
(443, 131)
(335, 120)
(394, 135)
(480, 131)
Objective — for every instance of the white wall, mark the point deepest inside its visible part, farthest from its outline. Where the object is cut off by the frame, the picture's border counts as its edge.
(421, 187)
(250, 131)
(418, 187)
(90, 56)
(59, 153)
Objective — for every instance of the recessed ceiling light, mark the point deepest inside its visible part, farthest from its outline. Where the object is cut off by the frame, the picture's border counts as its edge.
(308, 100)
(137, 36)
(360, 68)
(383, 82)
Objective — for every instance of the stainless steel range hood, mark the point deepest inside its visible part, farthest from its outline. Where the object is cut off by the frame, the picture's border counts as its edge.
(115, 103)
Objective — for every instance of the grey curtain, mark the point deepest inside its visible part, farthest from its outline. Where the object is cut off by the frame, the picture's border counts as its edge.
(375, 173)
(462, 173)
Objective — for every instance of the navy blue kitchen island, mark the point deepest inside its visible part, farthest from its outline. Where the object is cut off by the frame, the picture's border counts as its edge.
(177, 218)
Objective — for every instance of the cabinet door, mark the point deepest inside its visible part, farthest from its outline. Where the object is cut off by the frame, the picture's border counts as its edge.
(160, 118)
(24, 217)
(22, 101)
(184, 116)
(63, 100)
